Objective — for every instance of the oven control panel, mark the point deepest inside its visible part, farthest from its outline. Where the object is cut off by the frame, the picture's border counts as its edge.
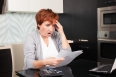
(106, 34)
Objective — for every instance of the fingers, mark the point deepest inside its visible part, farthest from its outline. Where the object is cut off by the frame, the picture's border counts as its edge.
(54, 61)
(59, 28)
(58, 24)
(58, 60)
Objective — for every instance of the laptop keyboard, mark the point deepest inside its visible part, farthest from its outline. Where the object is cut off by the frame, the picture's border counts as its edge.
(105, 68)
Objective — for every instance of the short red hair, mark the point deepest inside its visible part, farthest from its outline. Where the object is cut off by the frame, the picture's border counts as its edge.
(45, 15)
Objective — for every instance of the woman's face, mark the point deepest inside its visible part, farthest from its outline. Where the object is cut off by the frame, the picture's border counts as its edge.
(46, 29)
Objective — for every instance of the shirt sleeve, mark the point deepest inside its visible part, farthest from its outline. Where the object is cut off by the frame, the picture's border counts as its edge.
(59, 42)
(29, 52)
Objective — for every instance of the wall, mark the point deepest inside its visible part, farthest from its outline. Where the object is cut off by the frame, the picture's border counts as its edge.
(15, 26)
(79, 21)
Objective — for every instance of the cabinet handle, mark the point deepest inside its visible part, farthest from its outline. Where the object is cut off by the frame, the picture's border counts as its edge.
(110, 2)
(83, 40)
(84, 47)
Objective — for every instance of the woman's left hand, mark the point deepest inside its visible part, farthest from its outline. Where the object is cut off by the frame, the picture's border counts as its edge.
(59, 28)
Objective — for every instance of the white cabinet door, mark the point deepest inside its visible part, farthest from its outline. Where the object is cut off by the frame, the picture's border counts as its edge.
(17, 5)
(34, 5)
(55, 5)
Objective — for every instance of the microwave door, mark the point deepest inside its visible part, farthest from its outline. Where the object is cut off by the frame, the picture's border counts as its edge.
(108, 19)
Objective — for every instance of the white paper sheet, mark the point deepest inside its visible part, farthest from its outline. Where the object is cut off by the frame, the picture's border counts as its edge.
(69, 56)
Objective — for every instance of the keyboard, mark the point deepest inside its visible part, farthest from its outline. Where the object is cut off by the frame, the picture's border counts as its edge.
(50, 73)
(102, 69)
(105, 69)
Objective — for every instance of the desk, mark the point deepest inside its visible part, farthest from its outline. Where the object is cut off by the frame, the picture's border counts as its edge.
(79, 69)
(34, 73)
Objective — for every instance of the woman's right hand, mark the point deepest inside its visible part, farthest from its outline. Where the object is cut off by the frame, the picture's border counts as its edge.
(52, 61)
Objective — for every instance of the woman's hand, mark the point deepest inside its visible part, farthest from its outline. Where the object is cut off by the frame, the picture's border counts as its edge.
(59, 28)
(53, 61)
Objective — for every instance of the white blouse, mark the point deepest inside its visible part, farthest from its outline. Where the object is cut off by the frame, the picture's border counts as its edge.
(50, 50)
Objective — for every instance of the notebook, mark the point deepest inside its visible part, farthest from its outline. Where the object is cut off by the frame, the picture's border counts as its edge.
(104, 69)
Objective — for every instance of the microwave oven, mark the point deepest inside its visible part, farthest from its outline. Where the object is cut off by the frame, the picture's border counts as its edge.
(106, 18)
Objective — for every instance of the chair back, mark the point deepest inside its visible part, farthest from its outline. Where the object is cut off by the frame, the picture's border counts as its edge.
(17, 54)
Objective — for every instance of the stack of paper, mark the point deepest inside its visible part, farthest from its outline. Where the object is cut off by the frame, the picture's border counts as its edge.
(69, 56)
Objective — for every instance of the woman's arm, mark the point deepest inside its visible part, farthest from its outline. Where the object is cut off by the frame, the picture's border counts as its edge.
(52, 61)
(29, 56)
(65, 43)
(29, 52)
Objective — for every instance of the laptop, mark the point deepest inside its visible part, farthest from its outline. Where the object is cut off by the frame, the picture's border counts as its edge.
(104, 69)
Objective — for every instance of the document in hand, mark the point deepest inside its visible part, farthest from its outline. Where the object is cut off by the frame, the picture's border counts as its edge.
(69, 56)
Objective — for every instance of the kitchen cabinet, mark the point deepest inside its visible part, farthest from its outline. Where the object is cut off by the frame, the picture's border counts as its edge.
(79, 22)
(17, 6)
(105, 3)
(33, 6)
(89, 51)
(55, 5)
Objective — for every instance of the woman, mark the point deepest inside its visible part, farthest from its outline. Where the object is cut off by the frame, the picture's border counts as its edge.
(42, 46)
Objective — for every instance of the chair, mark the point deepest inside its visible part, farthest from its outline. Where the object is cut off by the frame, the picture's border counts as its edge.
(17, 58)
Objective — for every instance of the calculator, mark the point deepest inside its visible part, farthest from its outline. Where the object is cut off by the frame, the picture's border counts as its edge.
(50, 72)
